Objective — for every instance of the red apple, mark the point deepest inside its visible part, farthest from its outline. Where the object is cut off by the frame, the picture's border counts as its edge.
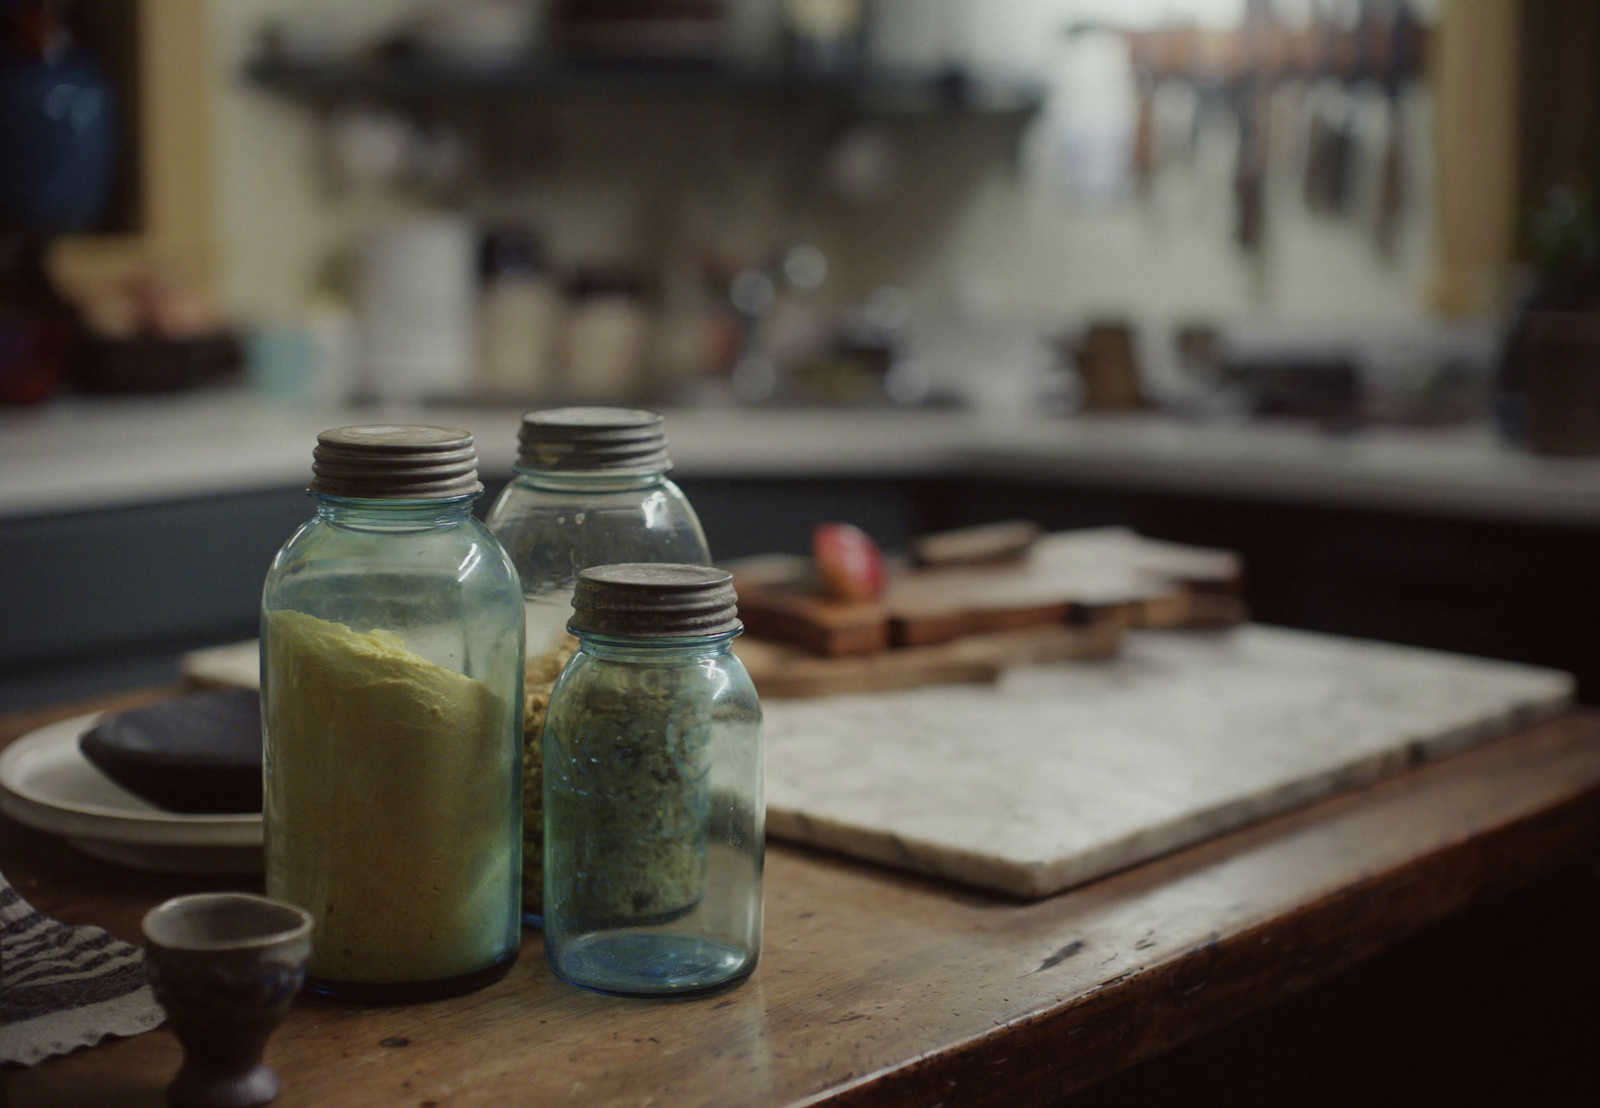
(849, 563)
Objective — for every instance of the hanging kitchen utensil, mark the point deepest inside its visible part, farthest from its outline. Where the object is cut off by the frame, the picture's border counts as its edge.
(1250, 173)
(1330, 140)
(1403, 43)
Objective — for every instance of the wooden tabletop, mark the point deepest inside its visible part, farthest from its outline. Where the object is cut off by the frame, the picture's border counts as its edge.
(882, 988)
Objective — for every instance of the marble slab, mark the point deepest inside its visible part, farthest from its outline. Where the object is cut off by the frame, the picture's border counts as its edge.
(1060, 774)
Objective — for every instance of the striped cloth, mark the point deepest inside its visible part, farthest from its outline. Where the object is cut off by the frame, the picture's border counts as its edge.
(63, 987)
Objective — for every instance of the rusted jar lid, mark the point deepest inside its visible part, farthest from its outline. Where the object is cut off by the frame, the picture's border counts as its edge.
(395, 462)
(593, 440)
(655, 600)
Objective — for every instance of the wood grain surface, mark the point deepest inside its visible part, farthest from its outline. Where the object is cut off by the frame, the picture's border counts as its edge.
(1103, 574)
(885, 989)
(780, 670)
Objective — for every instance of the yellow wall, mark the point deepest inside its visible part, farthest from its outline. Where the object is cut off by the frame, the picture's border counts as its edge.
(179, 95)
(1476, 73)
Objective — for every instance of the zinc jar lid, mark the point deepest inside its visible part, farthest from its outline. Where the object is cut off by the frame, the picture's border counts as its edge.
(395, 462)
(655, 600)
(593, 440)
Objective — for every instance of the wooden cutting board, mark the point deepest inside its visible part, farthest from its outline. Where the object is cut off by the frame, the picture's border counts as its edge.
(1057, 775)
(782, 671)
(1073, 576)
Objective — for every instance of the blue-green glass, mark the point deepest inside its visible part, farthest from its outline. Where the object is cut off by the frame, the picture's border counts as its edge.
(392, 722)
(554, 524)
(654, 817)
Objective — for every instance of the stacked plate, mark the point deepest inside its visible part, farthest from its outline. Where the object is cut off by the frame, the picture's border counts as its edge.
(48, 784)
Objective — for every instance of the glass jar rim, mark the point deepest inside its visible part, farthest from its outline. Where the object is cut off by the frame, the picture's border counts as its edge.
(394, 502)
(657, 642)
(591, 475)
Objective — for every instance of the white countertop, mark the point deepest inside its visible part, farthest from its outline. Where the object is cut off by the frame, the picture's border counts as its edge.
(81, 454)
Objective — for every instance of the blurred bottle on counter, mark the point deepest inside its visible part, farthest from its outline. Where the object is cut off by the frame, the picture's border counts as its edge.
(824, 35)
(696, 334)
(608, 334)
(477, 33)
(417, 292)
(520, 315)
(314, 356)
(754, 34)
(911, 34)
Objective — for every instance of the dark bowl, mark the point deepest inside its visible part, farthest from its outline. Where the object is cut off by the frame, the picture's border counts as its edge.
(195, 754)
(151, 365)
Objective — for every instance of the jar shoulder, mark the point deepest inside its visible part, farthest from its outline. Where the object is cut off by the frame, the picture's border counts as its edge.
(551, 533)
(524, 495)
(722, 677)
(467, 548)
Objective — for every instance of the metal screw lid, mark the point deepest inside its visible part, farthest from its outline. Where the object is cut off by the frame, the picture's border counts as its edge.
(655, 600)
(593, 440)
(395, 462)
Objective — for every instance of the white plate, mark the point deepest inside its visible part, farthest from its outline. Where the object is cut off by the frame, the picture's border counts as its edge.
(47, 783)
(235, 665)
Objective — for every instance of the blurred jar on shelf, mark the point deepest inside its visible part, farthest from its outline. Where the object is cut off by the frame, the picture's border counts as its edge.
(608, 332)
(417, 301)
(314, 356)
(824, 35)
(484, 34)
(520, 314)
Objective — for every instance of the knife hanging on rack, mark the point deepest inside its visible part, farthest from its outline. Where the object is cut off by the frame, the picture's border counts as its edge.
(1403, 42)
(1331, 150)
(1251, 103)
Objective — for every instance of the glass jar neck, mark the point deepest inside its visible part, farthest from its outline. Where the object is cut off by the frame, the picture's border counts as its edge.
(394, 515)
(590, 480)
(655, 651)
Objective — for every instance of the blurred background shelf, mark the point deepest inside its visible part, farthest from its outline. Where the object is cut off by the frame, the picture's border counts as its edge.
(900, 91)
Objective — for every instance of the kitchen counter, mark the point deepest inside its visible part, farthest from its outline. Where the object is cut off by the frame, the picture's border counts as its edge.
(880, 988)
(142, 528)
(81, 455)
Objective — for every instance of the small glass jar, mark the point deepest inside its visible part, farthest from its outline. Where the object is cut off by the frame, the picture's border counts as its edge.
(653, 788)
(391, 699)
(591, 489)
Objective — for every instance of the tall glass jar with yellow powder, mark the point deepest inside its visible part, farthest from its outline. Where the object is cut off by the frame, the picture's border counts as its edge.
(591, 489)
(391, 683)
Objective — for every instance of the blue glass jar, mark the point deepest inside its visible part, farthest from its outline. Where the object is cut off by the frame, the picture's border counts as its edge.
(392, 660)
(591, 489)
(653, 788)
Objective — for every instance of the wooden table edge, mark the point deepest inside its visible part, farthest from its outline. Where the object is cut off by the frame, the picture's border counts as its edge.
(1212, 984)
(1039, 1057)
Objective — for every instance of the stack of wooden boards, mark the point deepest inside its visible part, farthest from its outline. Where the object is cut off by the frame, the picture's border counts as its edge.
(1069, 595)
(964, 620)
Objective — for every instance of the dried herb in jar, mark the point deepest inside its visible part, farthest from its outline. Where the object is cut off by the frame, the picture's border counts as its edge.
(634, 770)
(540, 677)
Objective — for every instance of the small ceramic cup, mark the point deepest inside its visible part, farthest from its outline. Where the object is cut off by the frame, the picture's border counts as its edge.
(225, 966)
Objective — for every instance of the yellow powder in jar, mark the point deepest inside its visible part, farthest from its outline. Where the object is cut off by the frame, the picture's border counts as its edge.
(390, 806)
